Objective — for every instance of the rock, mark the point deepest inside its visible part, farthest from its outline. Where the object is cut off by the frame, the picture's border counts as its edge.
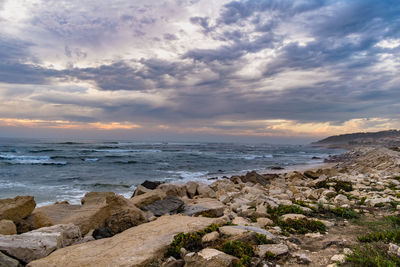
(292, 216)
(236, 230)
(340, 258)
(6, 261)
(328, 193)
(93, 214)
(148, 198)
(311, 174)
(169, 205)
(210, 237)
(151, 184)
(175, 190)
(341, 200)
(24, 226)
(135, 247)
(140, 190)
(204, 206)
(302, 258)
(205, 191)
(104, 232)
(314, 235)
(255, 178)
(39, 243)
(172, 262)
(393, 249)
(191, 188)
(36, 220)
(7, 227)
(17, 208)
(276, 249)
(211, 258)
(374, 201)
(262, 222)
(96, 198)
(241, 221)
(125, 219)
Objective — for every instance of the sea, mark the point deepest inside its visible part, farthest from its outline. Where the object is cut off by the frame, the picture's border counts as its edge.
(64, 171)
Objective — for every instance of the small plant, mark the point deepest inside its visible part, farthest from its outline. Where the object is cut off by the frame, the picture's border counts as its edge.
(262, 239)
(385, 236)
(337, 184)
(362, 201)
(240, 250)
(269, 255)
(379, 205)
(189, 241)
(347, 213)
(303, 204)
(208, 214)
(302, 226)
(371, 255)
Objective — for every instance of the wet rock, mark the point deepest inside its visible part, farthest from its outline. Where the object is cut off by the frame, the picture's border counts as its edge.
(104, 232)
(39, 243)
(151, 184)
(276, 249)
(17, 208)
(211, 258)
(169, 205)
(125, 219)
(7, 227)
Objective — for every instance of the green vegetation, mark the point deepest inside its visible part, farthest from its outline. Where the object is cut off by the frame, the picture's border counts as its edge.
(262, 239)
(303, 204)
(302, 226)
(371, 255)
(362, 201)
(373, 250)
(270, 255)
(240, 250)
(337, 184)
(189, 241)
(347, 213)
(283, 209)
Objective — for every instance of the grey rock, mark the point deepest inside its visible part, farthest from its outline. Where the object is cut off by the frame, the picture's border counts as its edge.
(6, 261)
(168, 205)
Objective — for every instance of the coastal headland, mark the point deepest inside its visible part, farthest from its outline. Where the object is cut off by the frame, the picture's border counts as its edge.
(342, 213)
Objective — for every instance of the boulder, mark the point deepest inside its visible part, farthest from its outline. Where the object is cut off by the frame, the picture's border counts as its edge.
(276, 249)
(168, 205)
(235, 230)
(176, 190)
(151, 184)
(340, 200)
(191, 188)
(140, 190)
(255, 178)
(311, 174)
(148, 198)
(17, 208)
(7, 227)
(97, 208)
(211, 258)
(373, 201)
(125, 219)
(104, 232)
(135, 247)
(205, 191)
(263, 222)
(6, 261)
(38, 220)
(39, 243)
(204, 206)
(241, 221)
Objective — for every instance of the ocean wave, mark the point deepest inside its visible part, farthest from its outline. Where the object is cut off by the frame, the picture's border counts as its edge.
(128, 150)
(40, 160)
(90, 159)
(43, 150)
(106, 186)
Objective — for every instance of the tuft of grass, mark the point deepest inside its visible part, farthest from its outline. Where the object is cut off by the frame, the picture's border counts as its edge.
(189, 241)
(391, 235)
(302, 226)
(371, 255)
(303, 204)
(347, 213)
(379, 205)
(269, 255)
(262, 240)
(241, 250)
(337, 184)
(362, 201)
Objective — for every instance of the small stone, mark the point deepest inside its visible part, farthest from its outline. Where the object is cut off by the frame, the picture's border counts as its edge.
(291, 216)
(210, 237)
(314, 235)
(340, 200)
(347, 251)
(394, 249)
(240, 221)
(262, 222)
(302, 258)
(340, 258)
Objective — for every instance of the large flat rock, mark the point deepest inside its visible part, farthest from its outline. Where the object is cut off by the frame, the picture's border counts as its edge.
(136, 246)
(17, 208)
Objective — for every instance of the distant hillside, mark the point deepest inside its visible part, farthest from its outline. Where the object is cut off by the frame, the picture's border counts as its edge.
(387, 138)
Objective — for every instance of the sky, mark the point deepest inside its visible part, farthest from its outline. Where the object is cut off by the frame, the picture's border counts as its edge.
(255, 70)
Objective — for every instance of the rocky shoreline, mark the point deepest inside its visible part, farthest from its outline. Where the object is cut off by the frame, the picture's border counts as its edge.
(312, 217)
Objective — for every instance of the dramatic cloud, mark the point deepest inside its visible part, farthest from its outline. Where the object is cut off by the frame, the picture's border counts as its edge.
(243, 68)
